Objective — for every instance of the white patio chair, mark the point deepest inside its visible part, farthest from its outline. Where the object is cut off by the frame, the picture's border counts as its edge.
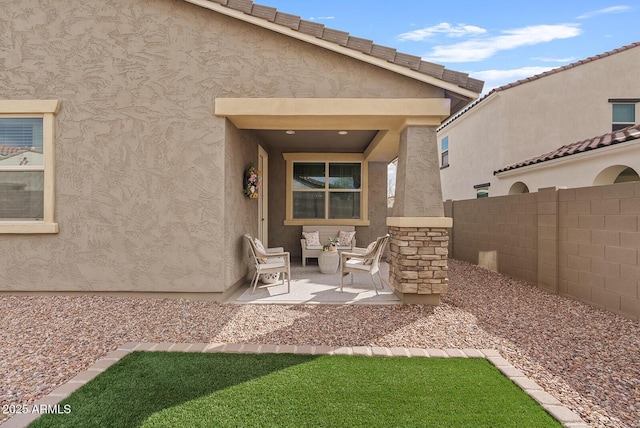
(270, 260)
(364, 261)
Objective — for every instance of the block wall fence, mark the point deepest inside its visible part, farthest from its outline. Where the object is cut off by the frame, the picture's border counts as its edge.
(581, 243)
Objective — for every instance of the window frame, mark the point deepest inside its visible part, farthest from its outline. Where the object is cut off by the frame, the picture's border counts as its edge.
(45, 109)
(617, 125)
(482, 190)
(444, 154)
(327, 158)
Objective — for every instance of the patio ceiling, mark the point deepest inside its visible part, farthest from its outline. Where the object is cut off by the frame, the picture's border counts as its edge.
(373, 125)
(318, 141)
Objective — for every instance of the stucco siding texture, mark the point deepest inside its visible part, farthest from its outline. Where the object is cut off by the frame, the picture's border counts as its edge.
(148, 180)
(241, 212)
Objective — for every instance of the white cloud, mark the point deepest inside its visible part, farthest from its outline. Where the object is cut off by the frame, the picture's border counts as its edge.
(321, 18)
(445, 28)
(606, 10)
(559, 60)
(495, 78)
(481, 49)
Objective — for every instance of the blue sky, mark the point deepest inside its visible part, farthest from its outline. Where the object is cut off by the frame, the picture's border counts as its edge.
(498, 41)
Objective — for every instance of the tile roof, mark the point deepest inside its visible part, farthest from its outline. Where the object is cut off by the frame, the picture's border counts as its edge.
(344, 39)
(538, 77)
(627, 134)
(566, 67)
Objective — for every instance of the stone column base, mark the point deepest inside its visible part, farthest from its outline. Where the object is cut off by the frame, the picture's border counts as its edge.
(418, 253)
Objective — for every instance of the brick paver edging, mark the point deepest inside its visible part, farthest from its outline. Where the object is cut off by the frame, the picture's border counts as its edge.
(565, 416)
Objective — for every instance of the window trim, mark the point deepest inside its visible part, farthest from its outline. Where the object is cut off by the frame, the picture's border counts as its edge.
(46, 109)
(290, 158)
(616, 126)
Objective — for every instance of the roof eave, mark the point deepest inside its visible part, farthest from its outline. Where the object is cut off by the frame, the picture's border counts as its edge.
(552, 161)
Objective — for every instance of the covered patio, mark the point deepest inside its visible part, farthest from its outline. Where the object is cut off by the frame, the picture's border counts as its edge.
(370, 132)
(310, 286)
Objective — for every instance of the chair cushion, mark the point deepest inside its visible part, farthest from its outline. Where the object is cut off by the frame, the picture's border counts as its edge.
(371, 246)
(260, 248)
(259, 245)
(358, 264)
(274, 262)
(312, 238)
(345, 238)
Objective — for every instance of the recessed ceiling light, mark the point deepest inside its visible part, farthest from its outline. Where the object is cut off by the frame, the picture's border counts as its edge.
(290, 132)
(342, 132)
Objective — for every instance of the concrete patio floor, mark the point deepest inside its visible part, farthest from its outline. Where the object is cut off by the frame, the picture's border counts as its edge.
(310, 286)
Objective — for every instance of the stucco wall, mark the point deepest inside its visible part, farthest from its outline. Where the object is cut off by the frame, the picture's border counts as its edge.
(534, 118)
(147, 179)
(377, 205)
(241, 212)
(138, 151)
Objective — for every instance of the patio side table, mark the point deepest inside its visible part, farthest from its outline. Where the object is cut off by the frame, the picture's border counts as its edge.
(329, 261)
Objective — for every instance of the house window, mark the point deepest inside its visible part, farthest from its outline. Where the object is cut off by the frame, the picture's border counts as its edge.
(444, 152)
(326, 190)
(482, 190)
(27, 166)
(21, 178)
(482, 193)
(623, 113)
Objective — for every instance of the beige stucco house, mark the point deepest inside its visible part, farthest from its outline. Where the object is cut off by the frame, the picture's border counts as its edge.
(147, 115)
(510, 140)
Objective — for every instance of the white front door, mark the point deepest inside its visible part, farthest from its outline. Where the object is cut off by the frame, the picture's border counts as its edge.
(263, 197)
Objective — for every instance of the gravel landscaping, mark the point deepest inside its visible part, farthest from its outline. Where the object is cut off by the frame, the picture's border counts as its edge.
(587, 358)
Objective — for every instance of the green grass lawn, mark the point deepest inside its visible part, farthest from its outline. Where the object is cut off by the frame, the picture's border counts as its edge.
(167, 389)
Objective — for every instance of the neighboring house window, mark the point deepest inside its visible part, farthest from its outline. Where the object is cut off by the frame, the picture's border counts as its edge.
(482, 190)
(27, 166)
(326, 189)
(482, 193)
(444, 152)
(623, 113)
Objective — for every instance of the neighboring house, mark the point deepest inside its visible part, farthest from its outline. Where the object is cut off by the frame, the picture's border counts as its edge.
(147, 115)
(525, 119)
(607, 159)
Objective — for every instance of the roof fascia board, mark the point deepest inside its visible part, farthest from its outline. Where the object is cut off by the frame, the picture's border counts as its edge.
(404, 108)
(216, 7)
(622, 147)
(332, 113)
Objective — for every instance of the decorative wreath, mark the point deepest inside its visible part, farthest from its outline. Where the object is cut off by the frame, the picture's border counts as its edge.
(251, 182)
